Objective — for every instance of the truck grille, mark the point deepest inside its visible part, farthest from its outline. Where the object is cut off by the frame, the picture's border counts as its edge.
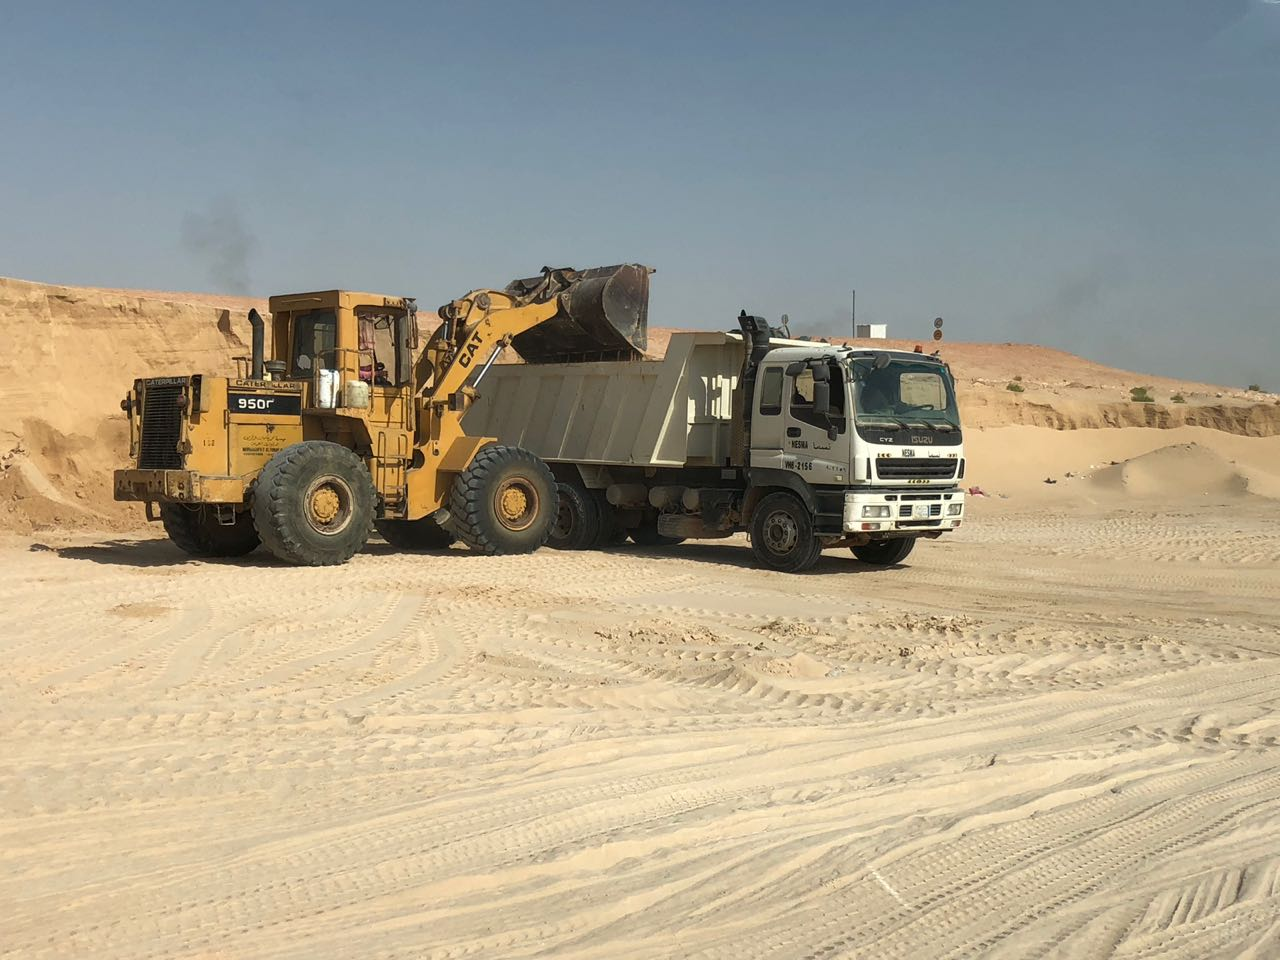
(161, 427)
(909, 468)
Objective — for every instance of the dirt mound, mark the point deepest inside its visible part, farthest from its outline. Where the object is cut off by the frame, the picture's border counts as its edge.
(1175, 472)
(70, 357)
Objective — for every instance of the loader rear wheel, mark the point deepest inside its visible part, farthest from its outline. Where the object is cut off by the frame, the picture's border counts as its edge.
(313, 504)
(885, 553)
(196, 531)
(782, 534)
(504, 502)
(422, 534)
(577, 522)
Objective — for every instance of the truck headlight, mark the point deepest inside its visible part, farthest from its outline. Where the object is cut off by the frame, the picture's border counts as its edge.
(875, 510)
(954, 509)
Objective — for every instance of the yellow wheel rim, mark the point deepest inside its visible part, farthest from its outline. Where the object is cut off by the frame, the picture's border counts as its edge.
(516, 503)
(328, 504)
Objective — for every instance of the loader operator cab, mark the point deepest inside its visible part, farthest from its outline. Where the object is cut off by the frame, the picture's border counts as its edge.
(366, 337)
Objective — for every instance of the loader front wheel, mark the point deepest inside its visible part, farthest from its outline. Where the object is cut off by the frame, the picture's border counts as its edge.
(423, 534)
(196, 530)
(504, 502)
(313, 504)
(577, 522)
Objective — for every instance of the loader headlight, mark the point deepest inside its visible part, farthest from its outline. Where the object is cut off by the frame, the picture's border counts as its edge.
(954, 509)
(876, 510)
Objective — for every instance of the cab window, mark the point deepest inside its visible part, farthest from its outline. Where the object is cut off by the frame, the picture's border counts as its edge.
(315, 335)
(801, 405)
(378, 347)
(771, 392)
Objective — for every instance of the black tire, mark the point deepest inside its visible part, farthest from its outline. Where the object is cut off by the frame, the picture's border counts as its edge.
(313, 504)
(647, 535)
(885, 553)
(611, 533)
(422, 534)
(504, 502)
(782, 534)
(576, 525)
(196, 531)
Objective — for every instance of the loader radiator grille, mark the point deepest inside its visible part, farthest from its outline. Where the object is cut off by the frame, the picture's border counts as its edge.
(161, 428)
(909, 468)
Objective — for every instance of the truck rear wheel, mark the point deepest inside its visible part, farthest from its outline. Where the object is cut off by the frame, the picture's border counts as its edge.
(421, 534)
(313, 504)
(577, 522)
(611, 533)
(196, 531)
(885, 553)
(782, 534)
(504, 502)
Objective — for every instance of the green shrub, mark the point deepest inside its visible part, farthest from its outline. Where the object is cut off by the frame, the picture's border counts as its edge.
(1018, 378)
(1141, 395)
(1254, 388)
(1178, 398)
(1016, 387)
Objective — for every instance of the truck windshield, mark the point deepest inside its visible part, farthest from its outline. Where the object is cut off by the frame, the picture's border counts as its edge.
(903, 392)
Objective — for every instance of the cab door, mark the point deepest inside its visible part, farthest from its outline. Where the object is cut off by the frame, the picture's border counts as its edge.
(809, 448)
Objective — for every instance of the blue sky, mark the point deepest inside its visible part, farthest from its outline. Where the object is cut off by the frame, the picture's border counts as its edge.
(1098, 175)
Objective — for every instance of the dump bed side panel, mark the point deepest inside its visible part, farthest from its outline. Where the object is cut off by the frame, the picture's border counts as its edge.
(667, 412)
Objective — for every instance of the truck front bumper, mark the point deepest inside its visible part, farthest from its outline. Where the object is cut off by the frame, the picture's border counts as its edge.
(177, 486)
(898, 512)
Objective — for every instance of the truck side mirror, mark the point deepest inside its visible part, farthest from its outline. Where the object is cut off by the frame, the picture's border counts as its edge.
(797, 368)
(822, 398)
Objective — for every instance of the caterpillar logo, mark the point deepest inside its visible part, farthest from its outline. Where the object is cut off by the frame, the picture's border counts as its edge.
(470, 349)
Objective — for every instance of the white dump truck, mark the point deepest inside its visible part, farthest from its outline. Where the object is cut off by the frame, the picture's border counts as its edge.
(804, 445)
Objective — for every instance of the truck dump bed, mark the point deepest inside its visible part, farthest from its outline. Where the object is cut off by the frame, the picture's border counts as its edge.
(670, 412)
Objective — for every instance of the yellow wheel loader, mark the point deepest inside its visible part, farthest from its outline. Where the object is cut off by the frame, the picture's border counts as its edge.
(338, 423)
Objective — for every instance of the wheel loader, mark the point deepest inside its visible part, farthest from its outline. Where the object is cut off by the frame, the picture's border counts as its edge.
(338, 423)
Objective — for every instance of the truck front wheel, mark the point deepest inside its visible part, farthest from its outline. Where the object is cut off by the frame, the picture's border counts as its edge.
(313, 504)
(196, 531)
(504, 502)
(885, 553)
(782, 534)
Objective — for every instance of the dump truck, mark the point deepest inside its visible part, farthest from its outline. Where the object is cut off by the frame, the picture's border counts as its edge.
(803, 445)
(338, 423)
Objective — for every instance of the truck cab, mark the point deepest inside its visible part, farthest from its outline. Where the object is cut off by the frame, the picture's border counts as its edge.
(874, 436)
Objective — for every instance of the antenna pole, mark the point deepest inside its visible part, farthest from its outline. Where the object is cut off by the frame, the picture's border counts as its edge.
(853, 312)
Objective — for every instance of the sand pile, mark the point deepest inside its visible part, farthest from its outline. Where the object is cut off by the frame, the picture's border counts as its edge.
(70, 355)
(1175, 472)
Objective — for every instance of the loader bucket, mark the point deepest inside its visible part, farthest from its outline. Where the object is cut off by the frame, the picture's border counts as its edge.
(604, 314)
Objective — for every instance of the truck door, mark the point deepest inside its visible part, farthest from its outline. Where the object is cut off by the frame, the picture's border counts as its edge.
(808, 448)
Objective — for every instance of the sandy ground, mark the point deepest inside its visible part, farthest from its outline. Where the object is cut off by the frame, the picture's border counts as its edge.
(1052, 735)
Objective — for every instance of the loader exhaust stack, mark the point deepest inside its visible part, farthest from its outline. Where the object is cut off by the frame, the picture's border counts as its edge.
(604, 314)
